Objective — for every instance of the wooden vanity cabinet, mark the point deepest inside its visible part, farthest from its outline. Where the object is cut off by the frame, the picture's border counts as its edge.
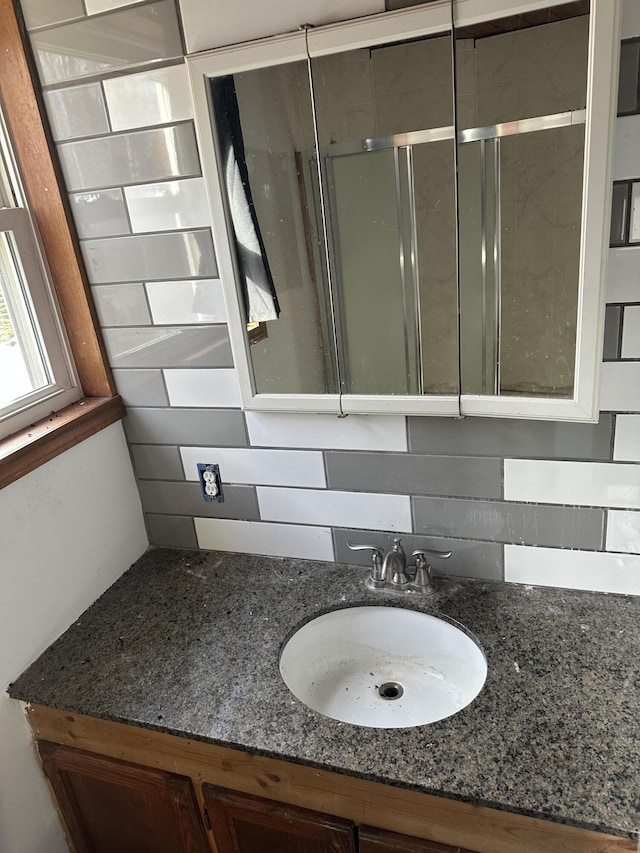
(125, 789)
(111, 806)
(372, 840)
(242, 823)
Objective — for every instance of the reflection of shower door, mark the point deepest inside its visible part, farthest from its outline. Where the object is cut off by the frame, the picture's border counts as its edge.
(370, 233)
(392, 234)
(393, 245)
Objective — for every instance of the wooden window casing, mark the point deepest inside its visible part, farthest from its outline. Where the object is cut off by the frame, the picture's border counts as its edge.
(100, 406)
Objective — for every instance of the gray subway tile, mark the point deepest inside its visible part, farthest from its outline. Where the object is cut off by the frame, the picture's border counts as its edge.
(150, 257)
(168, 346)
(40, 13)
(527, 524)
(130, 158)
(171, 531)
(122, 39)
(121, 304)
(141, 387)
(186, 499)
(513, 438)
(101, 213)
(157, 462)
(77, 111)
(192, 427)
(411, 474)
(612, 330)
(469, 559)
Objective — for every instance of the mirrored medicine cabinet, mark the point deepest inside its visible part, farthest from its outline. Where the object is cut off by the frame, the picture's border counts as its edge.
(411, 209)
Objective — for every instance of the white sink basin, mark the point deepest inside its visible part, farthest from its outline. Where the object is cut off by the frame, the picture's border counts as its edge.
(383, 667)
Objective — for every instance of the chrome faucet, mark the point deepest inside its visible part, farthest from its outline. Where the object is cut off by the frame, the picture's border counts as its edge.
(390, 572)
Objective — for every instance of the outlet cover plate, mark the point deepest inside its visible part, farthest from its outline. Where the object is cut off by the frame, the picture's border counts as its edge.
(210, 482)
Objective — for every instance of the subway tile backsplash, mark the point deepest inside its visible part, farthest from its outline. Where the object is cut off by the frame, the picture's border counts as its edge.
(159, 96)
(40, 13)
(187, 302)
(627, 443)
(141, 387)
(168, 346)
(414, 473)
(121, 304)
(129, 37)
(130, 158)
(186, 427)
(77, 111)
(101, 213)
(186, 254)
(215, 389)
(168, 205)
(523, 501)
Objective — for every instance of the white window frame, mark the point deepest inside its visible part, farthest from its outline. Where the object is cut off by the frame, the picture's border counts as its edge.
(17, 221)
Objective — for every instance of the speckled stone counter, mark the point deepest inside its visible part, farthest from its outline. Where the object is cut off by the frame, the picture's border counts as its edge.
(188, 643)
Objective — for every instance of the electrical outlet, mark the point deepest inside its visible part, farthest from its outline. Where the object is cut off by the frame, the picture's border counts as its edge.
(210, 482)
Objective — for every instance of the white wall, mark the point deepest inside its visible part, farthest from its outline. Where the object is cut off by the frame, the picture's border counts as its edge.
(68, 530)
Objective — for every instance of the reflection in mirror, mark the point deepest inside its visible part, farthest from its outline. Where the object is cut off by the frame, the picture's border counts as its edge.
(264, 122)
(521, 99)
(385, 125)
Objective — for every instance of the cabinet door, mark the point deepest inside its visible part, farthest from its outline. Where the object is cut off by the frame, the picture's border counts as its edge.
(111, 806)
(245, 824)
(380, 841)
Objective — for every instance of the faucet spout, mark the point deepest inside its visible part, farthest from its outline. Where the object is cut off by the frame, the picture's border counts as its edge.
(394, 568)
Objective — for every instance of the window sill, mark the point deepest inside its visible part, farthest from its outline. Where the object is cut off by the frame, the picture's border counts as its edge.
(26, 450)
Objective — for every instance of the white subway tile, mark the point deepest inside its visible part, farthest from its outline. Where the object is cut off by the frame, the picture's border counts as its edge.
(203, 388)
(630, 19)
(336, 509)
(631, 332)
(168, 205)
(582, 483)
(620, 386)
(186, 302)
(623, 274)
(259, 467)
(626, 158)
(153, 97)
(590, 570)
(626, 447)
(623, 531)
(356, 432)
(272, 540)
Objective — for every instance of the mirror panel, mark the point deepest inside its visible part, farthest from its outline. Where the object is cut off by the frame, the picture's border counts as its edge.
(264, 128)
(385, 127)
(521, 110)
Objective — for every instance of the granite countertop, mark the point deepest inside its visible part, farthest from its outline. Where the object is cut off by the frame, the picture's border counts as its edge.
(188, 643)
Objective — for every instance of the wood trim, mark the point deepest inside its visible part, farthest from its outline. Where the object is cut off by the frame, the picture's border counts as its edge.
(425, 816)
(29, 448)
(27, 123)
(26, 119)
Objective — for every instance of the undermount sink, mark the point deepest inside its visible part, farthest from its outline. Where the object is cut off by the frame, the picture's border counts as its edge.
(383, 667)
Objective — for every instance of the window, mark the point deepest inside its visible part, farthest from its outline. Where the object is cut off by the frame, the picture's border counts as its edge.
(36, 367)
(55, 387)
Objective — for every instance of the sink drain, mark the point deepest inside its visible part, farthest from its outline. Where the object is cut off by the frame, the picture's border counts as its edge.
(391, 690)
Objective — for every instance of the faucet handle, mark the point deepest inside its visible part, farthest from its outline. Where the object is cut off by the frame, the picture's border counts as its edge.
(431, 552)
(376, 578)
(352, 547)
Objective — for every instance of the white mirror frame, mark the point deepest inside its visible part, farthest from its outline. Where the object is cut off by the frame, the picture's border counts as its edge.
(604, 46)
